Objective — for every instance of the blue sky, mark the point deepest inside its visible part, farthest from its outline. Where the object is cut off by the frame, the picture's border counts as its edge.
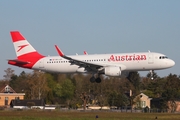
(97, 26)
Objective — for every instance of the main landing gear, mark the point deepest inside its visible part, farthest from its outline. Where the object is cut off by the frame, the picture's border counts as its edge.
(97, 80)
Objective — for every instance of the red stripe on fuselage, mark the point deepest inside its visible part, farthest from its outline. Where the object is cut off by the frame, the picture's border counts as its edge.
(16, 36)
(32, 58)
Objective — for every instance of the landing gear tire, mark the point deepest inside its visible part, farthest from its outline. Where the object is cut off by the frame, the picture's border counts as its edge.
(92, 79)
(98, 80)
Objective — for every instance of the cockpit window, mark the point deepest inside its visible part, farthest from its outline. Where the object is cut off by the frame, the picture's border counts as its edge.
(163, 57)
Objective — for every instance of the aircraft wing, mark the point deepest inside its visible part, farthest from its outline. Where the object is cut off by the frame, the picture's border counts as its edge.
(93, 67)
(88, 66)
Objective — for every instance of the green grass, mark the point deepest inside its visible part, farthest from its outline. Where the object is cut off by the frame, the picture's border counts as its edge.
(81, 115)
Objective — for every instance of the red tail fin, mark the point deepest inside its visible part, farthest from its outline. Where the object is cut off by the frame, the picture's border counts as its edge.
(24, 50)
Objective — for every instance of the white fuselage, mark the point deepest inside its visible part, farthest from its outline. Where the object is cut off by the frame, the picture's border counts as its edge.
(127, 61)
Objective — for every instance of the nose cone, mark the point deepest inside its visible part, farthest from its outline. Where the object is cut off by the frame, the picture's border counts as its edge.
(171, 63)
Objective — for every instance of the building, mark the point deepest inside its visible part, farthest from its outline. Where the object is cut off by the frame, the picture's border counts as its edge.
(7, 94)
(24, 104)
(142, 101)
(174, 106)
(163, 105)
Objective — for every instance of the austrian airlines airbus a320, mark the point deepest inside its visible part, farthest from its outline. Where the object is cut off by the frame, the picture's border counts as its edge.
(118, 64)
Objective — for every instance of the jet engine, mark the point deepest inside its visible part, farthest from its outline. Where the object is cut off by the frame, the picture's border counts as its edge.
(112, 71)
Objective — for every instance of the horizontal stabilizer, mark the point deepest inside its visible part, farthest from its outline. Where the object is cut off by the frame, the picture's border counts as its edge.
(18, 61)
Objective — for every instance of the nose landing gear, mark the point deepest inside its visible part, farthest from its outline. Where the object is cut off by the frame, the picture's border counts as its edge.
(152, 73)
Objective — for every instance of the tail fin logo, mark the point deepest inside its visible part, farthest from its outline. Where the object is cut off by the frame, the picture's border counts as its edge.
(21, 47)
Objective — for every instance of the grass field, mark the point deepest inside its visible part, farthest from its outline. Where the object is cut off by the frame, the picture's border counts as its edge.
(81, 115)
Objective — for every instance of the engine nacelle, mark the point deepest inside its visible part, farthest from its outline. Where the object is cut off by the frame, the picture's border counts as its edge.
(81, 70)
(112, 71)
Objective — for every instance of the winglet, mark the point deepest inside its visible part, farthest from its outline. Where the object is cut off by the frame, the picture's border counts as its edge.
(59, 51)
(85, 53)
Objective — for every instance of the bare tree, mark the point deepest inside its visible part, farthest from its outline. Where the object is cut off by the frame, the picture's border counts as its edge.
(9, 73)
(37, 85)
(85, 98)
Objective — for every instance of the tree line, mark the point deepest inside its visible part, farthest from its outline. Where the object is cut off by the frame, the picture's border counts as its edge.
(75, 90)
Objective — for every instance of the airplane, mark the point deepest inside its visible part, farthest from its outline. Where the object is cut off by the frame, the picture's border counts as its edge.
(115, 64)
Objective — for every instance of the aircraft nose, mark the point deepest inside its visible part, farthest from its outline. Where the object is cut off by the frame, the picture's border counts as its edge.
(171, 63)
